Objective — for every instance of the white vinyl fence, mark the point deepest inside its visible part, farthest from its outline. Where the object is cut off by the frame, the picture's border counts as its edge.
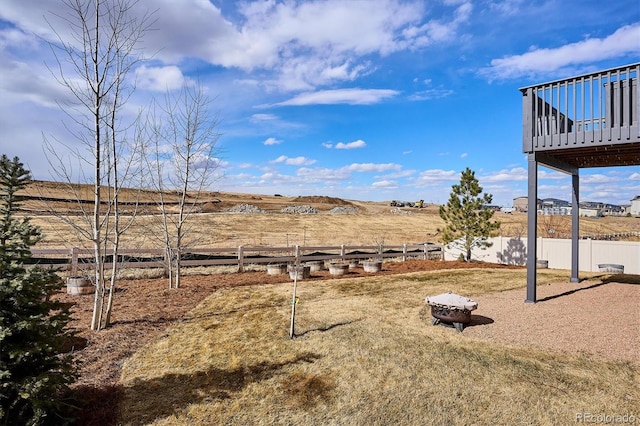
(591, 253)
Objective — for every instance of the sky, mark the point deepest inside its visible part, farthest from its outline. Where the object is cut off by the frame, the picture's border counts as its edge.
(367, 100)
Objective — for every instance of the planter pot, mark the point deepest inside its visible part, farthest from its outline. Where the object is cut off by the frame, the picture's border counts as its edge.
(372, 266)
(611, 267)
(338, 268)
(315, 266)
(542, 264)
(79, 285)
(299, 272)
(276, 269)
(353, 264)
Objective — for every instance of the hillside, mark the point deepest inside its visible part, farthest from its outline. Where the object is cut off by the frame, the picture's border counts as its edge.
(218, 222)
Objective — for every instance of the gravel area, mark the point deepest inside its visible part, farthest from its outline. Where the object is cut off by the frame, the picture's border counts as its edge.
(591, 317)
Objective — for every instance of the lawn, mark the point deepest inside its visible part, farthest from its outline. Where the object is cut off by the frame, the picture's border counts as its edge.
(364, 353)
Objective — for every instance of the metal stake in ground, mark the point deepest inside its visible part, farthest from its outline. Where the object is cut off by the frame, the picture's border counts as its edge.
(295, 289)
(293, 305)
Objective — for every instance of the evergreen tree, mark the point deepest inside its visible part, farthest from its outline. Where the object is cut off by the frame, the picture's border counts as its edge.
(34, 374)
(466, 215)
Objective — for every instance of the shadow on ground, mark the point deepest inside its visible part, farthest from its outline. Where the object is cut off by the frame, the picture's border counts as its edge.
(479, 320)
(162, 396)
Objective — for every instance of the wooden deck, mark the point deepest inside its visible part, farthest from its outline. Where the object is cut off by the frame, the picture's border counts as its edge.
(585, 121)
(580, 122)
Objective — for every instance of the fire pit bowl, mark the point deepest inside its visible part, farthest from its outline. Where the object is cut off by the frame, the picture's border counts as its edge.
(452, 309)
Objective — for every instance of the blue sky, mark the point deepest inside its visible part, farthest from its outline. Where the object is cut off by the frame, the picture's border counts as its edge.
(370, 100)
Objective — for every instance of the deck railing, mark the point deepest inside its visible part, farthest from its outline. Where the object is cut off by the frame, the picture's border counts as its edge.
(591, 109)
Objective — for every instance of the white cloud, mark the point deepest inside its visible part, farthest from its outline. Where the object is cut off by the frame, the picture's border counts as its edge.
(430, 94)
(327, 145)
(385, 184)
(306, 44)
(517, 174)
(323, 174)
(550, 174)
(464, 155)
(507, 7)
(435, 31)
(294, 161)
(263, 117)
(436, 176)
(399, 174)
(634, 176)
(340, 96)
(596, 179)
(159, 79)
(622, 43)
(372, 167)
(351, 145)
(272, 141)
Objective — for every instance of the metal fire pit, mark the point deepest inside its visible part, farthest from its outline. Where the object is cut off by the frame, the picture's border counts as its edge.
(450, 308)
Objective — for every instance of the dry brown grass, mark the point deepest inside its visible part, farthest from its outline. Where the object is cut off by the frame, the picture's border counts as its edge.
(364, 354)
(374, 223)
(280, 229)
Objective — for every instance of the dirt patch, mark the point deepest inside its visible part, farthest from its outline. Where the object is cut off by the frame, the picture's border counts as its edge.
(321, 199)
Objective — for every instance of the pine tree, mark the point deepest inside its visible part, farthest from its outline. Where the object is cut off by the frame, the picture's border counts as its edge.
(33, 373)
(466, 215)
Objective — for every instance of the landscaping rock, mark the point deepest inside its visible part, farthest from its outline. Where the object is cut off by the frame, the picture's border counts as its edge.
(300, 210)
(246, 208)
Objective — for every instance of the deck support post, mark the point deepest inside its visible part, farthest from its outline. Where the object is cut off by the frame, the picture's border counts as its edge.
(532, 226)
(575, 221)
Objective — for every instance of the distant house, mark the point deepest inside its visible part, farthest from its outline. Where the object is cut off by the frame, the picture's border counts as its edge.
(615, 211)
(554, 202)
(555, 206)
(550, 210)
(590, 212)
(520, 204)
(635, 206)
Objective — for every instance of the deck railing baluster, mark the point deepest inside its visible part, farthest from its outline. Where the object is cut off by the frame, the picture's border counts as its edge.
(592, 102)
(599, 109)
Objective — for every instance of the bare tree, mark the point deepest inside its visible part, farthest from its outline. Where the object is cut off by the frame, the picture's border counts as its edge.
(93, 63)
(183, 142)
(554, 226)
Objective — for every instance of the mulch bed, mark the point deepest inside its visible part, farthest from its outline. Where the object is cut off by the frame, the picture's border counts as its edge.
(144, 308)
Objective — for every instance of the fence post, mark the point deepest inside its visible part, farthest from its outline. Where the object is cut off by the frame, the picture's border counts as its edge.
(74, 262)
(240, 259)
(426, 252)
(342, 252)
(296, 254)
(404, 252)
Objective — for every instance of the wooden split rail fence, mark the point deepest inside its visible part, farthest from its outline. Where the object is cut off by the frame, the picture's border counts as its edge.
(77, 260)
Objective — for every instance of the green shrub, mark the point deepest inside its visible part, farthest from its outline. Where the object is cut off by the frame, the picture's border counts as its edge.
(34, 373)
